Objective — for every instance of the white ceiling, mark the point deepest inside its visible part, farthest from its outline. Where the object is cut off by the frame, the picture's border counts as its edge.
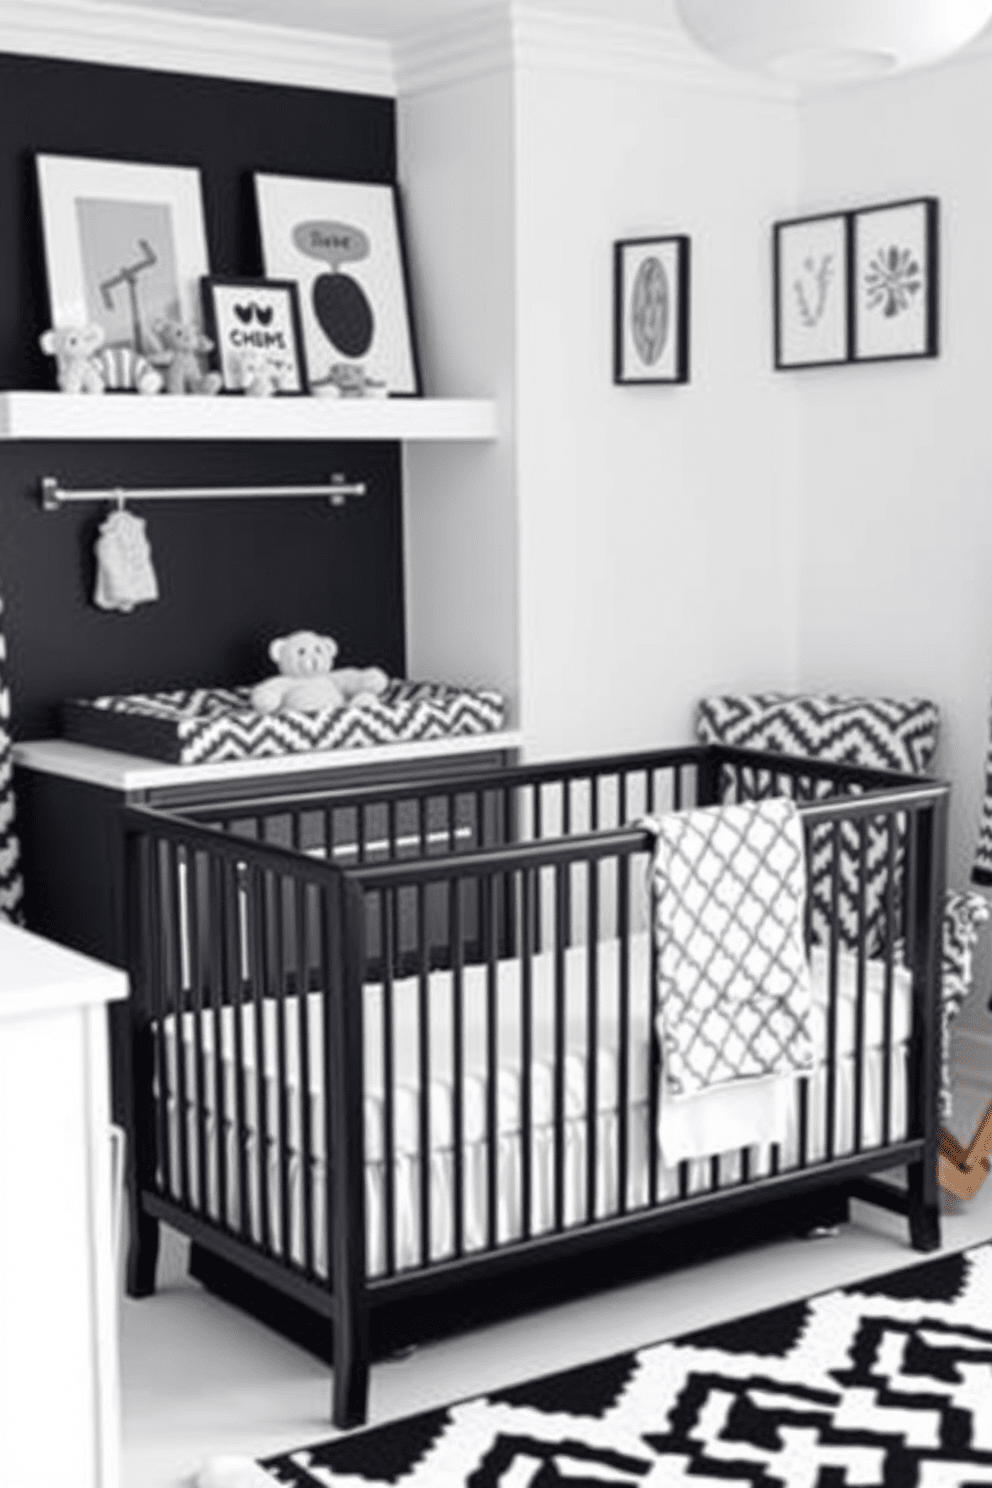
(388, 20)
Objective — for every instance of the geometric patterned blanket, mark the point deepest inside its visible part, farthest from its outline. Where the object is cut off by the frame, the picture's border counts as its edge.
(885, 1382)
(733, 979)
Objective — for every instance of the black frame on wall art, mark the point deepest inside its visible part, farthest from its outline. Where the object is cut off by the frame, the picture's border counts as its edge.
(858, 285)
(343, 242)
(651, 309)
(811, 267)
(895, 257)
(257, 319)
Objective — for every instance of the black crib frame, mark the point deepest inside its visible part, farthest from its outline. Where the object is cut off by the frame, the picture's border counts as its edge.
(465, 856)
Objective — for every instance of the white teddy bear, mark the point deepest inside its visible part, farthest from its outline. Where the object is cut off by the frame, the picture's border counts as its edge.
(307, 681)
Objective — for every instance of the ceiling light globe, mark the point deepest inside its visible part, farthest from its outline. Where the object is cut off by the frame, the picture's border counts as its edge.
(816, 42)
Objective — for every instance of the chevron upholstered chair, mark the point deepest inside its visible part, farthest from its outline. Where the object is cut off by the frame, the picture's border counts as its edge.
(881, 733)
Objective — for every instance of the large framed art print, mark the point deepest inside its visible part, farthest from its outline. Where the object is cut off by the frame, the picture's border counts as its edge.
(125, 245)
(651, 310)
(342, 243)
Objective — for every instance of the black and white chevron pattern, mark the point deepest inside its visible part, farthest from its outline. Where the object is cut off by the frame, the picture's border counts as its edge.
(981, 873)
(879, 733)
(882, 1383)
(210, 725)
(11, 885)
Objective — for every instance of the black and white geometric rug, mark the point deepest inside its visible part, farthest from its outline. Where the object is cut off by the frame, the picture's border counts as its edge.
(888, 1383)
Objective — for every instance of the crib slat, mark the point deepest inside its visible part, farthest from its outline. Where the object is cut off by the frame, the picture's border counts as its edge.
(592, 1037)
(258, 964)
(424, 1071)
(157, 998)
(623, 1031)
(834, 951)
(299, 890)
(215, 889)
(282, 1054)
(176, 961)
(859, 1013)
(890, 941)
(528, 892)
(561, 940)
(538, 832)
(655, 1068)
(197, 978)
(492, 1066)
(387, 921)
(455, 934)
(235, 988)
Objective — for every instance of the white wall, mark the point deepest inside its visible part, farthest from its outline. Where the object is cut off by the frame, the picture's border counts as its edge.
(896, 479)
(456, 163)
(896, 510)
(656, 522)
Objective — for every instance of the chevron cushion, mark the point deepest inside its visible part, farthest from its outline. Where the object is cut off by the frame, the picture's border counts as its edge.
(881, 733)
(210, 725)
(11, 884)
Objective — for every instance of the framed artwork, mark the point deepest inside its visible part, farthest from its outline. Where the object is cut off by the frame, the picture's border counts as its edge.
(258, 339)
(341, 241)
(651, 310)
(895, 279)
(811, 278)
(125, 245)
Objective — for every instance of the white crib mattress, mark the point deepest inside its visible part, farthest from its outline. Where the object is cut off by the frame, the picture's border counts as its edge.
(406, 1093)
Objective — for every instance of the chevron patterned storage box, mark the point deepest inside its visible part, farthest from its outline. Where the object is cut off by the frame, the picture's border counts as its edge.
(210, 725)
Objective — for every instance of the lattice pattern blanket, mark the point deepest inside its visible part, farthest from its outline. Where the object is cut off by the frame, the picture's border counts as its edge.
(733, 980)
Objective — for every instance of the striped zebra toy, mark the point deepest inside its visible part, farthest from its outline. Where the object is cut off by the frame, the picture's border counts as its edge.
(125, 370)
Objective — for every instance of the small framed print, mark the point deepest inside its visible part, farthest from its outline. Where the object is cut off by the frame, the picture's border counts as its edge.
(811, 273)
(651, 310)
(255, 327)
(895, 280)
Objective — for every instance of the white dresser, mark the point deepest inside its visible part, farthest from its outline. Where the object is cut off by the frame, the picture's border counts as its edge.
(59, 1391)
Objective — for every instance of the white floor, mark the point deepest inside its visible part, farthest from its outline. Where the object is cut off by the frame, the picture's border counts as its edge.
(200, 1378)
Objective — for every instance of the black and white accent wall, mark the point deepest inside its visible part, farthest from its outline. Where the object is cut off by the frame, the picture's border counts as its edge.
(232, 575)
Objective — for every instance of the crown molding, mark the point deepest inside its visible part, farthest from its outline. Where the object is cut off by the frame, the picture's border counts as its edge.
(186, 42)
(519, 35)
(454, 51)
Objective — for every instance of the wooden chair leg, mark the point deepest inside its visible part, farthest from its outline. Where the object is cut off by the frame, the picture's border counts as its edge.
(963, 1170)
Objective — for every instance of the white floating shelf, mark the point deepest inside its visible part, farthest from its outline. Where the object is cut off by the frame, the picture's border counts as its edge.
(36, 415)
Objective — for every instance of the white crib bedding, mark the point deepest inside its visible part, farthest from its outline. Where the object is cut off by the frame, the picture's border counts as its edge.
(406, 1099)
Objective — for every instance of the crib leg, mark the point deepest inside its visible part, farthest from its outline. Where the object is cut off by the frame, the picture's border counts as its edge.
(142, 1250)
(924, 1208)
(352, 1353)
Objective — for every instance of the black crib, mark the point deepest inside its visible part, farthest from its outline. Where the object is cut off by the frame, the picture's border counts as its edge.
(390, 1041)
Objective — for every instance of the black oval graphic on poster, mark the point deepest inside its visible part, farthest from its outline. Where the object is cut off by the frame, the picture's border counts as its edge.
(345, 315)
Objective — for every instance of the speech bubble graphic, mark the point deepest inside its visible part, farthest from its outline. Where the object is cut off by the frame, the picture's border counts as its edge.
(337, 242)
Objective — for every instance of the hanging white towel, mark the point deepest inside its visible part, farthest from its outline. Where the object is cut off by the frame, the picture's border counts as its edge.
(124, 573)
